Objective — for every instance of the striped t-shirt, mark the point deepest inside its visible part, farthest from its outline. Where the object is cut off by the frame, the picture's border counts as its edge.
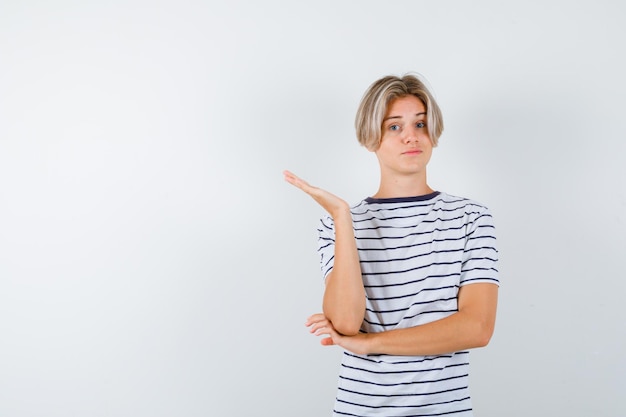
(415, 254)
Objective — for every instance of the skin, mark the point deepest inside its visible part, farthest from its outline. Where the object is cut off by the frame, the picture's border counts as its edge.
(403, 155)
(404, 151)
(344, 295)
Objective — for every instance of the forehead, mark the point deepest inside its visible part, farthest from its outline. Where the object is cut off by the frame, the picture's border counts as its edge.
(405, 104)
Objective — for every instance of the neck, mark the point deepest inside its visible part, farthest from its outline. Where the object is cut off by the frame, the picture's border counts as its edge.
(403, 186)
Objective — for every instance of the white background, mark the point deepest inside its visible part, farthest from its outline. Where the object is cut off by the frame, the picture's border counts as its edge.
(153, 262)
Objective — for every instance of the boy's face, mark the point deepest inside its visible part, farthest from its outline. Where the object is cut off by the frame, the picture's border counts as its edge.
(405, 147)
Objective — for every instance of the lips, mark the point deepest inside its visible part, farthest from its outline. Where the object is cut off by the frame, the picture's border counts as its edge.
(412, 152)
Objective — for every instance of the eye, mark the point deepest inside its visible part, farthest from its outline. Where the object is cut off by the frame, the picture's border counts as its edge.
(394, 127)
(420, 124)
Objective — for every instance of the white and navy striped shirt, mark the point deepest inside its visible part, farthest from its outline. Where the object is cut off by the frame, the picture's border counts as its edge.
(415, 254)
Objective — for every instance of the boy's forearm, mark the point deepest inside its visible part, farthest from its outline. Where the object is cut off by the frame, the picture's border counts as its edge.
(471, 327)
(452, 334)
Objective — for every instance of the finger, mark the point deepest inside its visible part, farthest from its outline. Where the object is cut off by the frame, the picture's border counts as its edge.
(292, 178)
(321, 327)
(298, 182)
(314, 318)
(313, 328)
(289, 176)
(323, 330)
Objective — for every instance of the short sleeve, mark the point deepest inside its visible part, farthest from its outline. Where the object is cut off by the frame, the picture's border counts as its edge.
(326, 245)
(480, 256)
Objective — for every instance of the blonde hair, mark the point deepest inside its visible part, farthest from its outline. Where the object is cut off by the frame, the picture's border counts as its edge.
(376, 100)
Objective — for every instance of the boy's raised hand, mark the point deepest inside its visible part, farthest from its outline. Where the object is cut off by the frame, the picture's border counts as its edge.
(334, 205)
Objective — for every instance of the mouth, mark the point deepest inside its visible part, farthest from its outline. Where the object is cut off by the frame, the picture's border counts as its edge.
(412, 152)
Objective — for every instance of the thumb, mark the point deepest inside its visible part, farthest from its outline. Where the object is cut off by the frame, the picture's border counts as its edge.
(327, 341)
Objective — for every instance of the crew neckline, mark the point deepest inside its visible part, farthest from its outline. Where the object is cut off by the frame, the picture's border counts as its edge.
(403, 199)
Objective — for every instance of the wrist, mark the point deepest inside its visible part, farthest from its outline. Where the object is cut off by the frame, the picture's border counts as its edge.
(370, 344)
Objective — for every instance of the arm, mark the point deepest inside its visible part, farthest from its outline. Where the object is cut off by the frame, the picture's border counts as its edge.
(470, 327)
(344, 295)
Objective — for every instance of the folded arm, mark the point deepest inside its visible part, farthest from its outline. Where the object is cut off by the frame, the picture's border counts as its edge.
(470, 327)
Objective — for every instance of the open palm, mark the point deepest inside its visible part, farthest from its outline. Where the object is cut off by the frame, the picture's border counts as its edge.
(330, 202)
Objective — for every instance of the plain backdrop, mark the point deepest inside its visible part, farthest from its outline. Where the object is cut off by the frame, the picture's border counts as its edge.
(153, 262)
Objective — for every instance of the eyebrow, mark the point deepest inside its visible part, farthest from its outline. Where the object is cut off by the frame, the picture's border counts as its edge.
(400, 117)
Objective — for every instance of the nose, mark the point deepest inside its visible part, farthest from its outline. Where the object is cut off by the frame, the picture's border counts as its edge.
(410, 136)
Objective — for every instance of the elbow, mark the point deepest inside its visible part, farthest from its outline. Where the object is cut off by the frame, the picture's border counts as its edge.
(347, 328)
(346, 325)
(346, 322)
(483, 334)
(483, 340)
